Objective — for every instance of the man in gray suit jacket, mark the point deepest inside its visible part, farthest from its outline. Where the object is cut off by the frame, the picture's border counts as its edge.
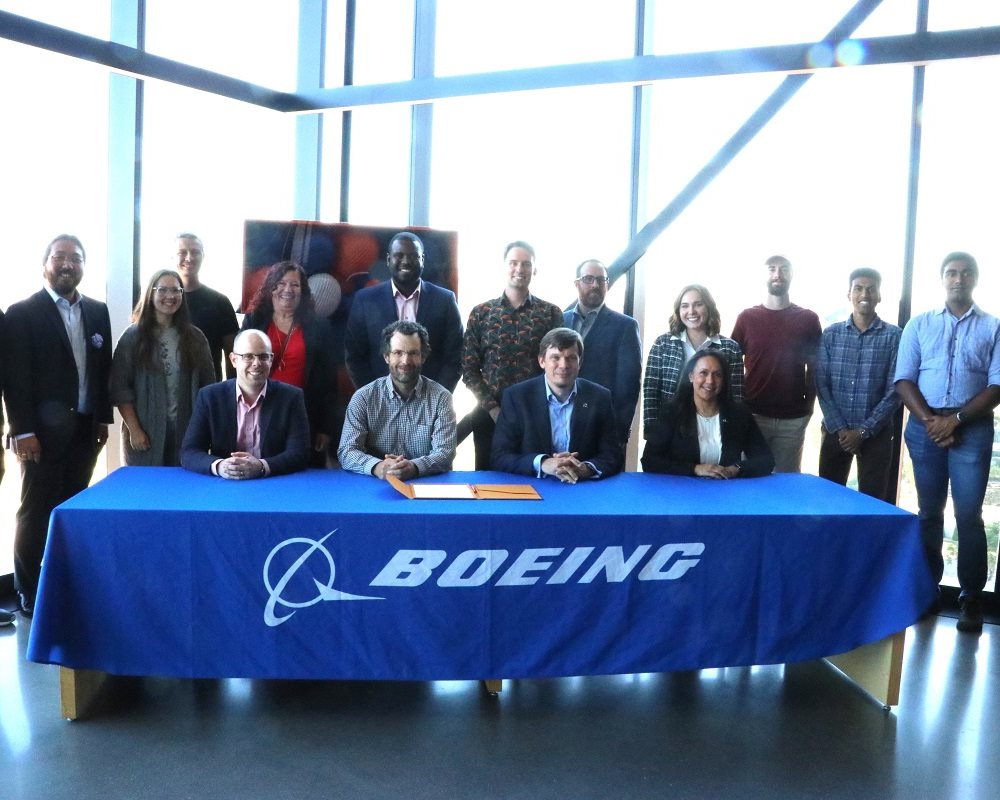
(58, 345)
(614, 352)
(405, 297)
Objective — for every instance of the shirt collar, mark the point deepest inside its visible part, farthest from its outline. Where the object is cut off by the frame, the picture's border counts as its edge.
(683, 337)
(876, 323)
(577, 310)
(389, 388)
(241, 399)
(527, 300)
(973, 310)
(56, 298)
(550, 395)
(416, 292)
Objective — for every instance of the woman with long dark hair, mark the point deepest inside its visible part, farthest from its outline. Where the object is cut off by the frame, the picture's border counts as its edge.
(159, 364)
(302, 346)
(703, 431)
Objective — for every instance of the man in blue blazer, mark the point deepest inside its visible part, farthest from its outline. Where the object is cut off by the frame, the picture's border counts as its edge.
(407, 297)
(614, 351)
(249, 426)
(58, 348)
(557, 424)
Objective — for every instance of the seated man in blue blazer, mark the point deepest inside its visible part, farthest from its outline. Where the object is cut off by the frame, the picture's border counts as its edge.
(405, 297)
(249, 426)
(557, 424)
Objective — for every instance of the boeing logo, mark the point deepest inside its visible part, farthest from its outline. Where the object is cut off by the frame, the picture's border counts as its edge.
(408, 569)
(325, 591)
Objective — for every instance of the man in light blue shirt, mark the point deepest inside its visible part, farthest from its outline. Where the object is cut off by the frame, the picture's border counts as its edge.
(948, 374)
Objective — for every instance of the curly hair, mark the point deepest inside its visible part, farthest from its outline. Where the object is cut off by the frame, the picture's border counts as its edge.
(262, 308)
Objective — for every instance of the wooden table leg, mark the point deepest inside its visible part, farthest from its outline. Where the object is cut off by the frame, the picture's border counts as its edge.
(877, 667)
(78, 688)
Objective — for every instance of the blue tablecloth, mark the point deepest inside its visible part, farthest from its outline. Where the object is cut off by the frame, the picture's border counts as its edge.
(326, 574)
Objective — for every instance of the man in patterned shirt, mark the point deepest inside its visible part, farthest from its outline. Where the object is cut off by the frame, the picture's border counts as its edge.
(855, 383)
(500, 347)
(402, 424)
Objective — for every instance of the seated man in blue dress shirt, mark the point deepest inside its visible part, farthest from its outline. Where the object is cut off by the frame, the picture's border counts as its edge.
(403, 424)
(948, 374)
(557, 424)
(249, 426)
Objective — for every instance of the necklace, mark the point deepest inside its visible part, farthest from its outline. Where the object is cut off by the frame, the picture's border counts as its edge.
(279, 359)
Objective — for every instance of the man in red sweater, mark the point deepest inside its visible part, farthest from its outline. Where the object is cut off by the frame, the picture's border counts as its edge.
(780, 341)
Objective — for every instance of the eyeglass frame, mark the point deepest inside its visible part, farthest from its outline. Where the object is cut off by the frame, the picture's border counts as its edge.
(249, 358)
(595, 280)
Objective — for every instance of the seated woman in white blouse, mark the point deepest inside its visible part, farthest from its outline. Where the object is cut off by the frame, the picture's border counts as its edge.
(703, 432)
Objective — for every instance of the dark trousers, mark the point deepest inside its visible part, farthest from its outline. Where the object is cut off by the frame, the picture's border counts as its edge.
(480, 424)
(61, 472)
(874, 462)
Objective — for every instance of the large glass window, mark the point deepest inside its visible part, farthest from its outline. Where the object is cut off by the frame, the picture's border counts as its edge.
(380, 164)
(83, 16)
(209, 164)
(730, 24)
(486, 37)
(824, 183)
(548, 167)
(957, 14)
(54, 162)
(254, 40)
(383, 43)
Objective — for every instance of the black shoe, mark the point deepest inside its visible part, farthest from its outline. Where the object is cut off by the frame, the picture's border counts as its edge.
(971, 620)
(6, 617)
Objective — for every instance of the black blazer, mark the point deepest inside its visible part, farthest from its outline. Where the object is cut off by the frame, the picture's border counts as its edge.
(284, 428)
(374, 307)
(41, 380)
(320, 376)
(523, 429)
(612, 357)
(670, 451)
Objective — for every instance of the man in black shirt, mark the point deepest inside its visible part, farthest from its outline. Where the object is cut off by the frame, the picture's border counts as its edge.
(211, 311)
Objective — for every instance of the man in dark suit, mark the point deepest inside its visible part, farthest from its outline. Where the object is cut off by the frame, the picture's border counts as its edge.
(614, 352)
(404, 297)
(557, 424)
(249, 426)
(58, 346)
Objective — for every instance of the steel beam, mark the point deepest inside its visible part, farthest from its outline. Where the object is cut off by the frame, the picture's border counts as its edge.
(916, 48)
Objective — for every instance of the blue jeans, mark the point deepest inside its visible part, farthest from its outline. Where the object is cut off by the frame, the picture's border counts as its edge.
(967, 466)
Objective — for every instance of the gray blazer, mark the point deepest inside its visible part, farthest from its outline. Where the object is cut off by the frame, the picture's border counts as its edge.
(147, 390)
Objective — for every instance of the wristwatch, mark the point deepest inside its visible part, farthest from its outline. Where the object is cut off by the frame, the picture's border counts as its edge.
(958, 417)
(865, 434)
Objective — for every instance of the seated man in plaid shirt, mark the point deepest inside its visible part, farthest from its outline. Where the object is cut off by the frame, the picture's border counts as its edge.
(402, 424)
(855, 370)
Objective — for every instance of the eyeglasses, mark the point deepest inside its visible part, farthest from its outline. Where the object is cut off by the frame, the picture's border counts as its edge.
(60, 258)
(590, 280)
(168, 290)
(248, 358)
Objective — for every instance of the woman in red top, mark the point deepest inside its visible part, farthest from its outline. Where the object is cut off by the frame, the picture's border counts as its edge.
(302, 346)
